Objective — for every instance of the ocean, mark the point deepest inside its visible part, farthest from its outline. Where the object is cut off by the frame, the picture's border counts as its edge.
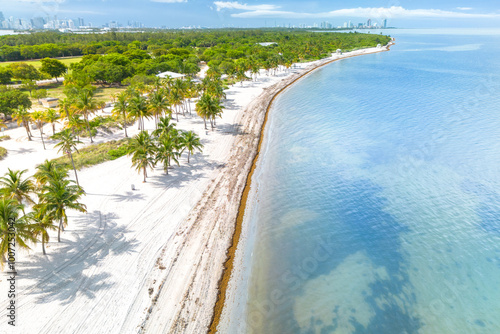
(376, 200)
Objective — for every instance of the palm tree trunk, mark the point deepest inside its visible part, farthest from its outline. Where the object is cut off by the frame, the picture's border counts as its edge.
(53, 129)
(211, 123)
(73, 163)
(41, 136)
(205, 122)
(59, 230)
(26, 126)
(43, 245)
(145, 174)
(88, 128)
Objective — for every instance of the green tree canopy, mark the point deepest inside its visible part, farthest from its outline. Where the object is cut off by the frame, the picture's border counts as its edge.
(53, 67)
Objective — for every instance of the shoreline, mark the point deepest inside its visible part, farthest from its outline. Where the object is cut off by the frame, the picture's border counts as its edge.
(229, 265)
(192, 294)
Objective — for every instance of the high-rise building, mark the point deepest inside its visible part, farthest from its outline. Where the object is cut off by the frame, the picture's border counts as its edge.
(37, 22)
(369, 23)
(384, 23)
(81, 23)
(2, 18)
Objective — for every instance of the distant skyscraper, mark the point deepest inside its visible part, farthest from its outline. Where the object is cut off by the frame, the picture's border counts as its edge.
(384, 23)
(81, 23)
(37, 22)
(369, 23)
(2, 18)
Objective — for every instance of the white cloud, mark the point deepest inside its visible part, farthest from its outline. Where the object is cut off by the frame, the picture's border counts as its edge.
(465, 8)
(169, 1)
(236, 5)
(252, 11)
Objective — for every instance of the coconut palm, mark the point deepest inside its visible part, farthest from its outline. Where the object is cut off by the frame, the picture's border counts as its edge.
(42, 221)
(175, 100)
(86, 105)
(158, 103)
(38, 118)
(190, 141)
(22, 116)
(49, 170)
(164, 128)
(208, 107)
(67, 143)
(167, 151)
(52, 117)
(142, 150)
(138, 107)
(13, 186)
(58, 196)
(9, 217)
(120, 109)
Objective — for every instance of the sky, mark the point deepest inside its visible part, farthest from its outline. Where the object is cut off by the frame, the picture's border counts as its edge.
(252, 13)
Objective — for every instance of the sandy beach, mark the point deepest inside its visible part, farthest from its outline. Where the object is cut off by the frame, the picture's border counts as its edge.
(147, 260)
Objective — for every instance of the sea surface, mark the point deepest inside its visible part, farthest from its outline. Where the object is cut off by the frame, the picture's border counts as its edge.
(376, 205)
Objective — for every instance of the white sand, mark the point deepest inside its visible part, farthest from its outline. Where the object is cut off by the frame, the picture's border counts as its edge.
(104, 276)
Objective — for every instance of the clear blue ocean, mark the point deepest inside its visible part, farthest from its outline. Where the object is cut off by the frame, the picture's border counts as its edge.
(378, 194)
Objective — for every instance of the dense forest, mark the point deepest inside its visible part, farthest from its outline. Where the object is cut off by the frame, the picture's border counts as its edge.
(238, 43)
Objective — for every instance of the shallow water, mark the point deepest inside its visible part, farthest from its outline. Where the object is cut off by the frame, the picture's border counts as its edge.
(378, 202)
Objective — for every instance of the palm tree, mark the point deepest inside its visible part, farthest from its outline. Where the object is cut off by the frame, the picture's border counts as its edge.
(58, 196)
(167, 151)
(190, 141)
(67, 143)
(22, 116)
(49, 170)
(138, 107)
(158, 103)
(120, 109)
(164, 128)
(38, 118)
(42, 223)
(2, 124)
(52, 117)
(9, 218)
(142, 150)
(208, 107)
(175, 99)
(85, 103)
(17, 188)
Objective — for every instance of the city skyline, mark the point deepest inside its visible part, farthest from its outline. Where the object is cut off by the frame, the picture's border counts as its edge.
(216, 14)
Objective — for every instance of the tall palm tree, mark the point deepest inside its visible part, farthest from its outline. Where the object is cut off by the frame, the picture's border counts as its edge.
(67, 143)
(85, 103)
(49, 170)
(158, 103)
(138, 107)
(9, 217)
(120, 109)
(190, 141)
(13, 186)
(22, 116)
(43, 221)
(38, 118)
(142, 151)
(52, 117)
(208, 107)
(59, 196)
(164, 128)
(176, 100)
(167, 150)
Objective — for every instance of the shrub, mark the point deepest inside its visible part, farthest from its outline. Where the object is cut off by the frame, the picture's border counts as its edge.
(3, 153)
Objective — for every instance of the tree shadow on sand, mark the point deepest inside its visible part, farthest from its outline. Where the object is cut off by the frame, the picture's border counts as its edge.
(60, 275)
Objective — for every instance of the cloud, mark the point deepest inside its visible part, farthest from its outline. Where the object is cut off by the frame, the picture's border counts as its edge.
(253, 11)
(465, 8)
(169, 1)
(236, 5)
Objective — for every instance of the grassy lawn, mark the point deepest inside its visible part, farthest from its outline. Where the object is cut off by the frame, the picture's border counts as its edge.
(95, 154)
(101, 93)
(66, 61)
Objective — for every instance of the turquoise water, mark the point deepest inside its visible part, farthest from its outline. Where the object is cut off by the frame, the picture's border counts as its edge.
(378, 201)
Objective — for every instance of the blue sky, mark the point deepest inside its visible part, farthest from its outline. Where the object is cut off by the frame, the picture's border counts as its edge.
(252, 13)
